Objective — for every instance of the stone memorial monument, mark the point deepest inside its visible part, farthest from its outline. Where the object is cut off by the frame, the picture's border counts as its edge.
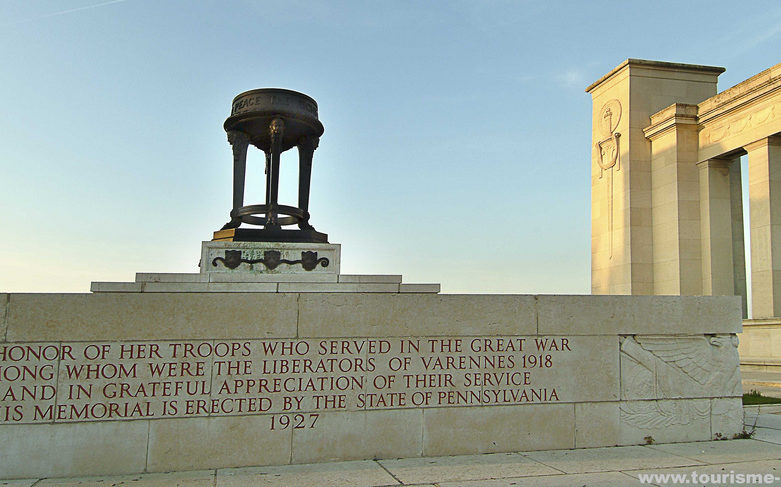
(667, 198)
(269, 355)
(273, 120)
(272, 258)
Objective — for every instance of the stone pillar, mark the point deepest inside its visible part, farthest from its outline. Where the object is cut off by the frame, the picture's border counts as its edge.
(622, 224)
(675, 201)
(738, 241)
(764, 183)
(716, 226)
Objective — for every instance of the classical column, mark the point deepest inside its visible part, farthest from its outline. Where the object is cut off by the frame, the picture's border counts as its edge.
(716, 226)
(239, 142)
(306, 149)
(738, 241)
(764, 184)
(276, 130)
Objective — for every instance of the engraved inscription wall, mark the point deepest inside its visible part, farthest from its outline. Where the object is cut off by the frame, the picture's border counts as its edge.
(293, 380)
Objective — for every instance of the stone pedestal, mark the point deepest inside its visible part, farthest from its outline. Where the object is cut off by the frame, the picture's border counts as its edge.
(270, 258)
(266, 267)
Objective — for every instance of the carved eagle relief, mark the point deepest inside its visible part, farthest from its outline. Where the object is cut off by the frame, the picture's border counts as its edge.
(676, 367)
(708, 360)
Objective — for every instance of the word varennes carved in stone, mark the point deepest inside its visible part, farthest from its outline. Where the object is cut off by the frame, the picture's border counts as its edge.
(129, 380)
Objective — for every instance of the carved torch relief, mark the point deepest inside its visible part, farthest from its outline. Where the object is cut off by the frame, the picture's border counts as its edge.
(608, 154)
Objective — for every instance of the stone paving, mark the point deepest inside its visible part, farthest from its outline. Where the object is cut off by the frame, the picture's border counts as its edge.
(616, 466)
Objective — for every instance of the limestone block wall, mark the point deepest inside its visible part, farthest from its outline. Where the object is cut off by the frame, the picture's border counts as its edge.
(760, 344)
(151, 382)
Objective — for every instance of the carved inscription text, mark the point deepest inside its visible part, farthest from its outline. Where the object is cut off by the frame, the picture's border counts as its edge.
(292, 379)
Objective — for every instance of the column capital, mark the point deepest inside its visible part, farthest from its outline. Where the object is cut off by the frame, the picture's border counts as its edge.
(236, 137)
(309, 142)
(720, 162)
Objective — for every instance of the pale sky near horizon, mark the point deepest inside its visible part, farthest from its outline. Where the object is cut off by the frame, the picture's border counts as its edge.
(457, 133)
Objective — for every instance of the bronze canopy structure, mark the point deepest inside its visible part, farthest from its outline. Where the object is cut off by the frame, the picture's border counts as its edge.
(273, 120)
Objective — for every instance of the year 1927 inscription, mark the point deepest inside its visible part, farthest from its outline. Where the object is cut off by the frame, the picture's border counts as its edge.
(291, 380)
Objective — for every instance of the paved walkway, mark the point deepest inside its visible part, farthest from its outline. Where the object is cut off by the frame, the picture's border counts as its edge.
(617, 466)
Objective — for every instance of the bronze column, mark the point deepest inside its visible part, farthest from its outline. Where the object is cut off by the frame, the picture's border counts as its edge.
(267, 172)
(239, 143)
(306, 150)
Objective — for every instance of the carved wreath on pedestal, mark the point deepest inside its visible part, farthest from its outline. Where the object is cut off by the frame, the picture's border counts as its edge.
(271, 259)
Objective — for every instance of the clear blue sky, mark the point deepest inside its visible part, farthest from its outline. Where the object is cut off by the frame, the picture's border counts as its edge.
(457, 133)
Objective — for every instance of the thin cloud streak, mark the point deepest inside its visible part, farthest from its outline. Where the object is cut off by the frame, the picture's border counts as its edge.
(65, 12)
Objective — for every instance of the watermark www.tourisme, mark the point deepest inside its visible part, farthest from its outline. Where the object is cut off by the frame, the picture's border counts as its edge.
(695, 478)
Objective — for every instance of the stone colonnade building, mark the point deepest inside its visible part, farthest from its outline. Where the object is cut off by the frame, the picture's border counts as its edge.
(667, 214)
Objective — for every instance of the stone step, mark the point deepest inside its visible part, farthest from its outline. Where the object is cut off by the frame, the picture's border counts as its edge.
(144, 277)
(262, 287)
